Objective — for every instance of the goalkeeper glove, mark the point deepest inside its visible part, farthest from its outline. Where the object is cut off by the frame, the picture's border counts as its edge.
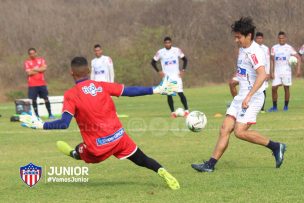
(166, 87)
(31, 121)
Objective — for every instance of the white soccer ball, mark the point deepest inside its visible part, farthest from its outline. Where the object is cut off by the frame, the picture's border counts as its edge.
(179, 112)
(196, 121)
(293, 61)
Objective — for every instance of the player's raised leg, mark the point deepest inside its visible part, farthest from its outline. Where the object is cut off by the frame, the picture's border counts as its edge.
(66, 149)
(221, 146)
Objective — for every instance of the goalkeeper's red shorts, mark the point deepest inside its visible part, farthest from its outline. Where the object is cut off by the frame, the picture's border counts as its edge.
(124, 148)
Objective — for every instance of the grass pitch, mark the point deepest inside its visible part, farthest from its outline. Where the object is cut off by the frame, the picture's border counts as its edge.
(246, 172)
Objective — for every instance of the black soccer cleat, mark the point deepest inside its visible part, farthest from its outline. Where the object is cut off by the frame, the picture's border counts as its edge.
(203, 167)
(279, 155)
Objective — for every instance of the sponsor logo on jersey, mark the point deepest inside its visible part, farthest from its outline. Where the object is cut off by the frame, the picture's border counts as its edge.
(92, 90)
(110, 138)
(280, 58)
(173, 62)
(99, 72)
(241, 72)
(254, 59)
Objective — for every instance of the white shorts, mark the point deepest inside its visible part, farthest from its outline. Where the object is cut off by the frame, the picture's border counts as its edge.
(249, 115)
(282, 80)
(179, 81)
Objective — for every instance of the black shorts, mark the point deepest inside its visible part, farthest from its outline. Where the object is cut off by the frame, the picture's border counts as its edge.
(34, 92)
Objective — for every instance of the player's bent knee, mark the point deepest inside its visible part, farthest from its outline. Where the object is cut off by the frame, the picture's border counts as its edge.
(240, 134)
(225, 130)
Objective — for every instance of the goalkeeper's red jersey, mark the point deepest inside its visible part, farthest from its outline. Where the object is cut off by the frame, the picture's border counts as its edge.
(91, 104)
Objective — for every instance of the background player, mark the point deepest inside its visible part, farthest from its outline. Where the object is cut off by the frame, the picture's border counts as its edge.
(245, 106)
(91, 104)
(169, 57)
(259, 38)
(101, 66)
(280, 70)
(35, 67)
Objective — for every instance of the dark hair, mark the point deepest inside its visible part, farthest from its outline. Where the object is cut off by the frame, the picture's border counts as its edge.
(97, 46)
(259, 34)
(244, 26)
(167, 39)
(281, 33)
(31, 49)
(79, 61)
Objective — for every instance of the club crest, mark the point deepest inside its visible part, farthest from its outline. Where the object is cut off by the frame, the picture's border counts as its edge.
(30, 174)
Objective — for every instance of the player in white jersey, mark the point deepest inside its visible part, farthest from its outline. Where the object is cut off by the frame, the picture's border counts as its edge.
(280, 70)
(259, 38)
(169, 57)
(102, 66)
(245, 106)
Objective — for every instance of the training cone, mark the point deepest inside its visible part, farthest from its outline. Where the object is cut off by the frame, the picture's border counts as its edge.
(218, 115)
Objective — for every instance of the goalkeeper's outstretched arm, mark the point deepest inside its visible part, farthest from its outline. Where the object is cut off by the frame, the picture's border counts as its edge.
(62, 123)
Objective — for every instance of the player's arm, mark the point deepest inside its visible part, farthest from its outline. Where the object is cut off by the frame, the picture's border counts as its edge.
(28, 70)
(41, 69)
(166, 87)
(267, 68)
(272, 67)
(185, 63)
(31, 72)
(298, 71)
(111, 70)
(62, 123)
(36, 123)
(92, 77)
(154, 64)
(260, 79)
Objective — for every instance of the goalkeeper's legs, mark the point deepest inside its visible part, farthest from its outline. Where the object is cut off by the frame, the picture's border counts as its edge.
(66, 149)
(140, 159)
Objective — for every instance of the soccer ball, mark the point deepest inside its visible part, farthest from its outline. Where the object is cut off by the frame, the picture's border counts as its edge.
(196, 121)
(293, 61)
(180, 112)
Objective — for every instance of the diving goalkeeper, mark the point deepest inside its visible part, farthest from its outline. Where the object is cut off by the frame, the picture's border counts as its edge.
(91, 104)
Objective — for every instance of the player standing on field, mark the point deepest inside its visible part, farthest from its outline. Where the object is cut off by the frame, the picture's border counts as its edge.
(246, 105)
(280, 70)
(103, 135)
(102, 66)
(259, 39)
(35, 68)
(169, 57)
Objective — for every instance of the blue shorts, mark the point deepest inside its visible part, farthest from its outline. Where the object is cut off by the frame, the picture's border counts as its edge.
(41, 91)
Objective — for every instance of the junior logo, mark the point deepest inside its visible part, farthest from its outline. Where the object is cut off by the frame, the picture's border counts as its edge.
(30, 174)
(91, 89)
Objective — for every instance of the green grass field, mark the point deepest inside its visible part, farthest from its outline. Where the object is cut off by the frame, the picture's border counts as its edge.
(246, 172)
